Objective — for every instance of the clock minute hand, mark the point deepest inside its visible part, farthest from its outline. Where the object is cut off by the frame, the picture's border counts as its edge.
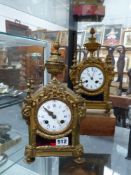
(50, 113)
(91, 77)
(88, 74)
(93, 73)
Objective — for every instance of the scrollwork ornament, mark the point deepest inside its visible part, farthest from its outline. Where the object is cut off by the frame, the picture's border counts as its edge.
(26, 111)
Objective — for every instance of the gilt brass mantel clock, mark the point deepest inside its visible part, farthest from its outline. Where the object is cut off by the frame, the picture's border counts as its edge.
(53, 113)
(92, 77)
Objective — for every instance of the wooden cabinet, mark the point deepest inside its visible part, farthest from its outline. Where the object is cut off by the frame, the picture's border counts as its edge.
(10, 77)
(31, 68)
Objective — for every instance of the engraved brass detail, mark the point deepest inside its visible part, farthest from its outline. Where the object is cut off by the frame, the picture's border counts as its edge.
(32, 152)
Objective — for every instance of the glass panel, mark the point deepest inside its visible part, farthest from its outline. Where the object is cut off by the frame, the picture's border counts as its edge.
(55, 11)
(21, 58)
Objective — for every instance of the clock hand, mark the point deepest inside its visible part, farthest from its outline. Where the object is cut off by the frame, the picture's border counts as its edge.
(88, 74)
(93, 73)
(50, 113)
(91, 77)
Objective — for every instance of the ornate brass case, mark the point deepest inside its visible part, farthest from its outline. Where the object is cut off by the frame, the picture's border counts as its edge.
(105, 65)
(40, 141)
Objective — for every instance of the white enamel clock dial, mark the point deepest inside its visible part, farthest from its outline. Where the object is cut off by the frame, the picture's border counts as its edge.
(54, 116)
(92, 78)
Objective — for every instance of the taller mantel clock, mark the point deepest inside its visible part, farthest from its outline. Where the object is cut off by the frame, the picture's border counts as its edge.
(92, 77)
(53, 113)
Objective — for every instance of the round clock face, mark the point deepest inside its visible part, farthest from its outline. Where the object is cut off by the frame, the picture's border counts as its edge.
(54, 116)
(92, 78)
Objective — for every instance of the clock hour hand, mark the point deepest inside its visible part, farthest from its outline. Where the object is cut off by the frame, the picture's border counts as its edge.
(50, 113)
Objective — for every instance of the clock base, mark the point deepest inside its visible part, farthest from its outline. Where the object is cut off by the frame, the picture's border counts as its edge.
(29, 159)
(98, 125)
(79, 160)
(44, 151)
(102, 105)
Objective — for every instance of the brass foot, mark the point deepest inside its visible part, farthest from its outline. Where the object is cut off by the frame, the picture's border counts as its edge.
(30, 159)
(79, 160)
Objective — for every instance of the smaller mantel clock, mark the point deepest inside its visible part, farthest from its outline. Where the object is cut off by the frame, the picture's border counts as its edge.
(92, 77)
(53, 113)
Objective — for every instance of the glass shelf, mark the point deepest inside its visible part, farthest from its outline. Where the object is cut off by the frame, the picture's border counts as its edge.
(9, 40)
(104, 155)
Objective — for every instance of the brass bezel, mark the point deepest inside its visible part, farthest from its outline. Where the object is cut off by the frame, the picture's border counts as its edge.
(99, 89)
(49, 132)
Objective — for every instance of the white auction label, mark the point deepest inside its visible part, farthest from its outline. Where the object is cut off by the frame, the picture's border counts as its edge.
(62, 141)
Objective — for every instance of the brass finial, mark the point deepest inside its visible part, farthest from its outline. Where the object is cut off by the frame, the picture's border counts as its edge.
(30, 87)
(92, 45)
(55, 55)
(55, 64)
(92, 31)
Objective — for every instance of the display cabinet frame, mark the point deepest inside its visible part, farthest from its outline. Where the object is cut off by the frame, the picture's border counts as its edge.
(127, 38)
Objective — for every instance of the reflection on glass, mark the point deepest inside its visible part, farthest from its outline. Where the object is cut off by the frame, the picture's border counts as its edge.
(55, 11)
